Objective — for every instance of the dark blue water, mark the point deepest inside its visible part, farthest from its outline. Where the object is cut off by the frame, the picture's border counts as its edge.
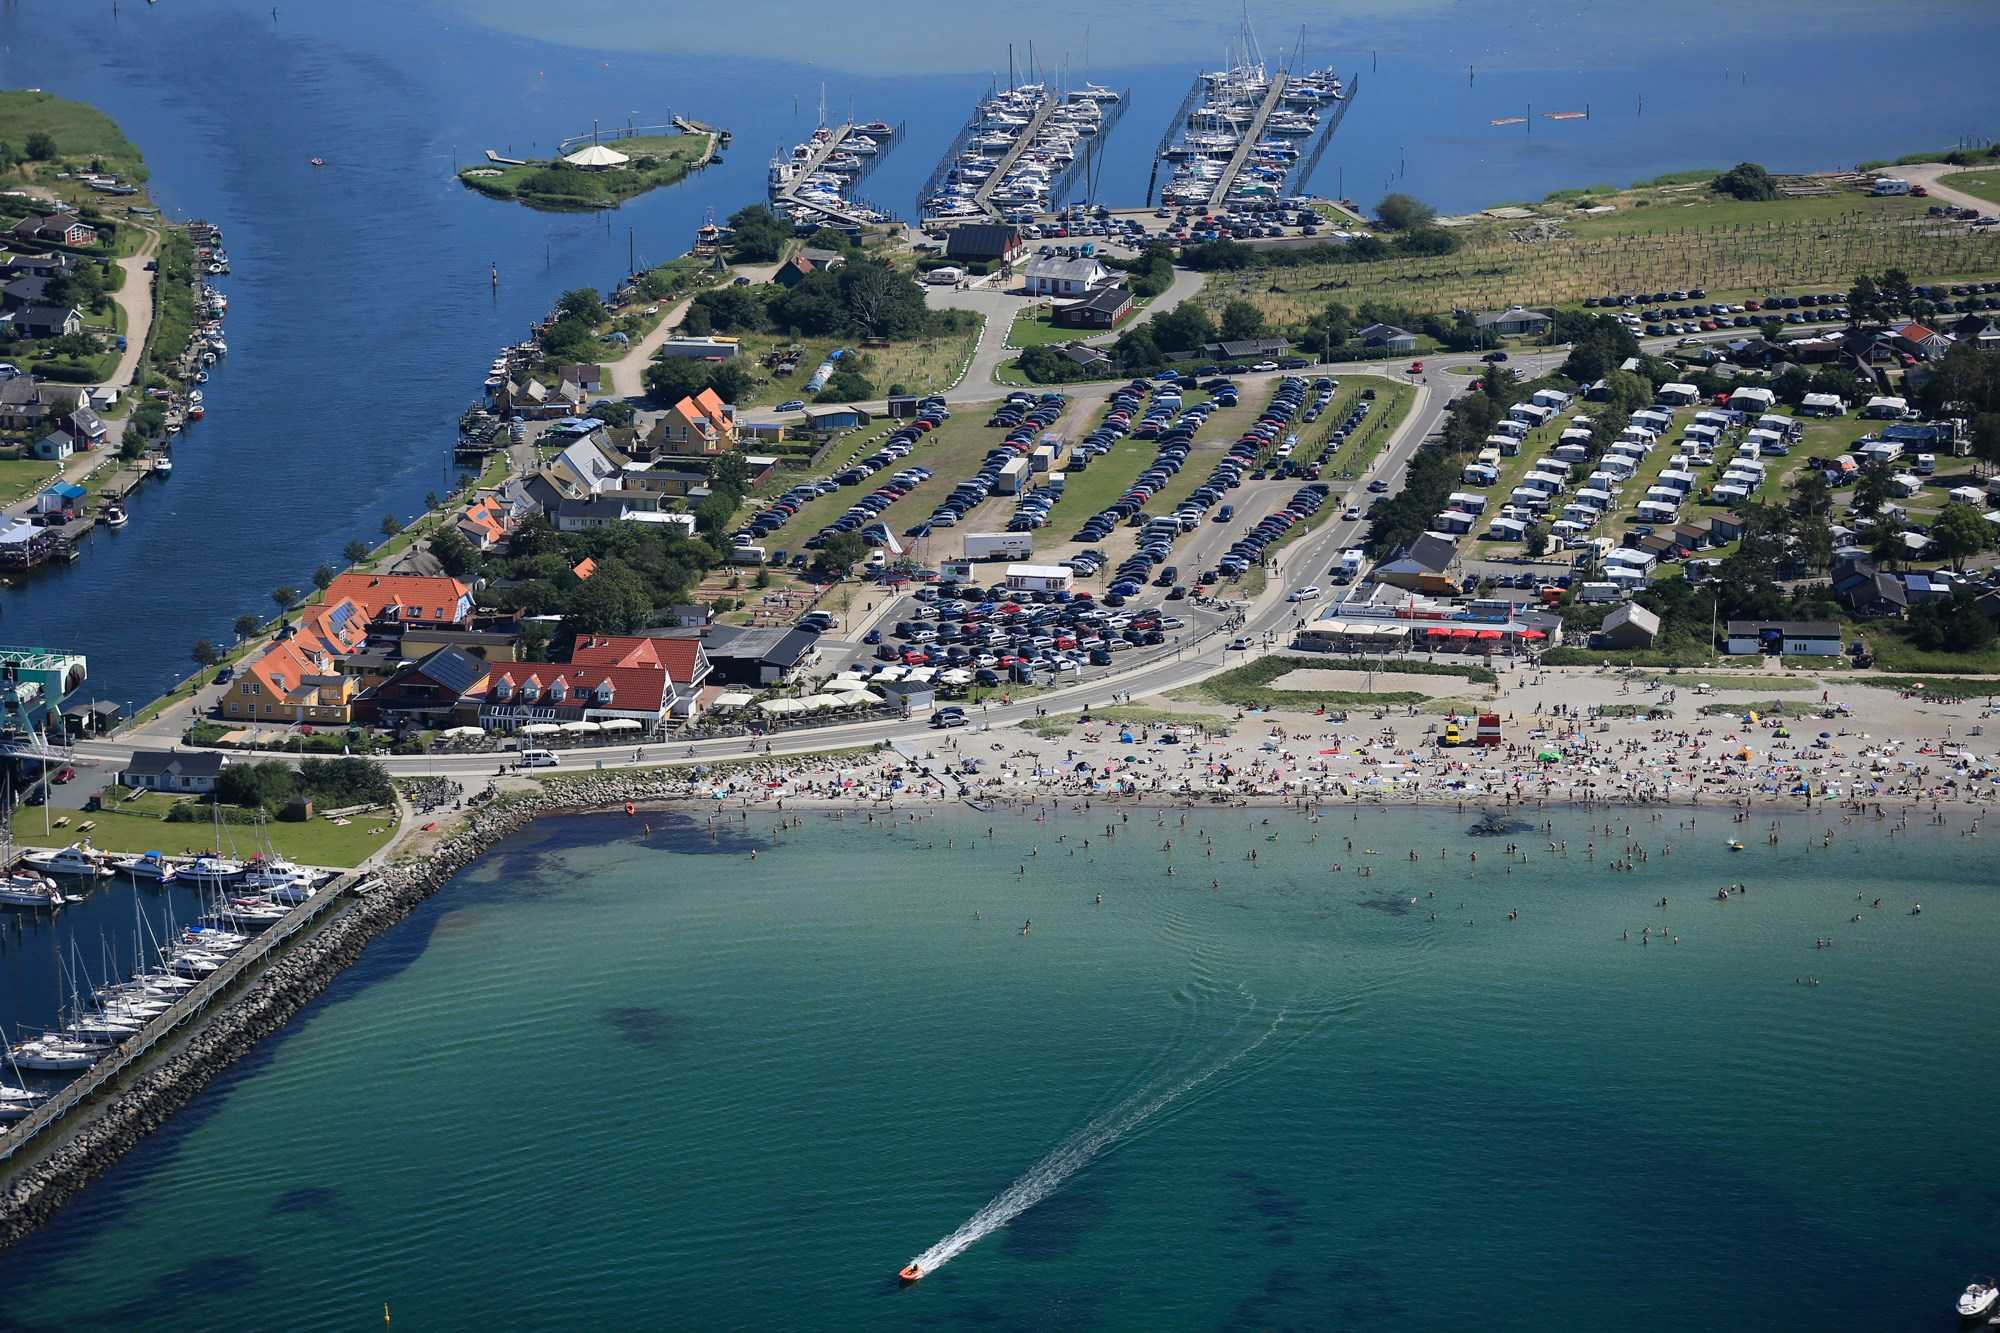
(362, 319)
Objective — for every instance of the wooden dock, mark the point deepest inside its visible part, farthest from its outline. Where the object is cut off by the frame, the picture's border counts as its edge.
(983, 196)
(1251, 135)
(789, 196)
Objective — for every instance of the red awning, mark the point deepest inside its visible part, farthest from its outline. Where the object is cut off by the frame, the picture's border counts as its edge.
(1534, 634)
(1489, 634)
(1464, 633)
(1438, 632)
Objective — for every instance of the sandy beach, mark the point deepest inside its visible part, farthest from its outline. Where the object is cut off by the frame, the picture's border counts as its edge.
(1569, 736)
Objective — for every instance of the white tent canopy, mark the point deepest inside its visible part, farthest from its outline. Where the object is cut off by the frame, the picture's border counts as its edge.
(461, 733)
(733, 699)
(581, 728)
(596, 155)
(539, 728)
(620, 724)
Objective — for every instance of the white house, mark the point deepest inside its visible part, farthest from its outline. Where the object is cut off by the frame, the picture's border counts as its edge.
(1065, 275)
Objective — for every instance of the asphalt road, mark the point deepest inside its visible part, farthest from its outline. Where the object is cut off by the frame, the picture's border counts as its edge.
(1267, 621)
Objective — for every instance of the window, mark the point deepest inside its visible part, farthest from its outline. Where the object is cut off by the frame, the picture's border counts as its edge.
(531, 690)
(558, 692)
(604, 693)
(503, 689)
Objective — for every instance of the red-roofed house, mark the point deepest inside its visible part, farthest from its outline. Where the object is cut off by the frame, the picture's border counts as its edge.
(583, 569)
(336, 628)
(646, 691)
(1918, 340)
(701, 424)
(290, 682)
(485, 523)
(409, 599)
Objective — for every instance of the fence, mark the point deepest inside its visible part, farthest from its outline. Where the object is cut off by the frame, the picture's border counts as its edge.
(193, 1004)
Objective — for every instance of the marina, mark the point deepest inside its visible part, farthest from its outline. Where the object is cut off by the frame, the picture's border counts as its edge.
(1020, 151)
(812, 183)
(1236, 138)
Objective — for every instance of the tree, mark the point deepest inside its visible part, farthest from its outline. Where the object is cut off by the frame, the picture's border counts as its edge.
(1864, 300)
(713, 514)
(390, 527)
(454, 553)
(431, 500)
(257, 785)
(246, 625)
(757, 234)
(323, 577)
(731, 473)
(674, 378)
(1183, 329)
(286, 597)
(611, 601)
(615, 412)
(843, 551)
(1958, 532)
(581, 303)
(205, 654)
(355, 552)
(1872, 489)
(870, 292)
(1241, 320)
(1401, 212)
(731, 382)
(41, 146)
(1745, 180)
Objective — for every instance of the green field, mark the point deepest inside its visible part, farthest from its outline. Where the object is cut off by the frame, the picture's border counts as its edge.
(19, 476)
(918, 365)
(657, 161)
(1985, 184)
(1659, 237)
(83, 134)
(140, 826)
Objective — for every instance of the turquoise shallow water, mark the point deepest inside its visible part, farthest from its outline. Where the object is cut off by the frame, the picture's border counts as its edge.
(620, 1075)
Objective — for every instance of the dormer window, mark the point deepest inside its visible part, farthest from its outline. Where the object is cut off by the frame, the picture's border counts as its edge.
(531, 690)
(503, 689)
(603, 693)
(558, 692)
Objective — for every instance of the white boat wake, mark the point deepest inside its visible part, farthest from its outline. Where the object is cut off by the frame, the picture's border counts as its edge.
(1074, 1153)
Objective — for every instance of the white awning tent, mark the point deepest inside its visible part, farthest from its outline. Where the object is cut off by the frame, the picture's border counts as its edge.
(732, 699)
(780, 707)
(858, 699)
(540, 729)
(581, 728)
(621, 724)
(597, 157)
(461, 733)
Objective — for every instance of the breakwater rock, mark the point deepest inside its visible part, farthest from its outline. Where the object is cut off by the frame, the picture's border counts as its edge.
(98, 1132)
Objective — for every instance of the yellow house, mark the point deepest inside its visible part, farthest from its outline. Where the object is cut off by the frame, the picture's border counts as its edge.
(289, 683)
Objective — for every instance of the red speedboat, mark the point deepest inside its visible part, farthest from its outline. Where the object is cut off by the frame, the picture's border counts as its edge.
(910, 1273)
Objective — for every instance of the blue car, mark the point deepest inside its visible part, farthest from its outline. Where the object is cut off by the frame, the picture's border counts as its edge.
(795, 405)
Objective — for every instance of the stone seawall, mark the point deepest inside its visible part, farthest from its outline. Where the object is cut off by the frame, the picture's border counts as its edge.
(99, 1134)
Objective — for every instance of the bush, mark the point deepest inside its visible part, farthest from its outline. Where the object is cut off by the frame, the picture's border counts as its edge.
(1746, 180)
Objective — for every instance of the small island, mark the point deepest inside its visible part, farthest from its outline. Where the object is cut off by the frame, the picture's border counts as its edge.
(598, 172)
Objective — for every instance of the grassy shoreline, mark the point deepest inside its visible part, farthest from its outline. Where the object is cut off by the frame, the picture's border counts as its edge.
(657, 161)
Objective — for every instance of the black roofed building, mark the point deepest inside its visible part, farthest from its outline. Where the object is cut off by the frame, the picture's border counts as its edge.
(1241, 349)
(173, 770)
(423, 693)
(762, 656)
(982, 243)
(1101, 309)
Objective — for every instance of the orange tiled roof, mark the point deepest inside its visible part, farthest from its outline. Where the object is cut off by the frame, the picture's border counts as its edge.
(421, 597)
(584, 568)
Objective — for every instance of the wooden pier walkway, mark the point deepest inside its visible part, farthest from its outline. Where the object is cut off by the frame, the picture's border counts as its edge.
(1251, 135)
(983, 196)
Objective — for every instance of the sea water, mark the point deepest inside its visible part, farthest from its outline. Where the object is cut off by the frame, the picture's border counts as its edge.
(620, 1074)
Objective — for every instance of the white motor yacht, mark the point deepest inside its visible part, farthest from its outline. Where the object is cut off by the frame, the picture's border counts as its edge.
(29, 892)
(1978, 1299)
(152, 866)
(18, 1102)
(79, 860)
(209, 869)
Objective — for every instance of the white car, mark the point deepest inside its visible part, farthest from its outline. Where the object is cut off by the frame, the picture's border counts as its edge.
(1265, 365)
(1353, 511)
(1309, 593)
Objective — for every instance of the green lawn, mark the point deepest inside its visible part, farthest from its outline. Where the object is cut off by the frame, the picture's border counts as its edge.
(657, 161)
(1985, 184)
(140, 827)
(19, 476)
(919, 365)
(82, 133)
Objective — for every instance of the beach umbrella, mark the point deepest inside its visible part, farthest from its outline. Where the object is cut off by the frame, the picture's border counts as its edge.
(580, 728)
(539, 729)
(1549, 756)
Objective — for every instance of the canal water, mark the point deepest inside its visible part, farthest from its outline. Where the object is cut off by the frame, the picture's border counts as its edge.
(619, 1068)
(362, 317)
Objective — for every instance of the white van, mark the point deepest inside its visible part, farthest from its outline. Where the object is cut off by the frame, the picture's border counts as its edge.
(538, 759)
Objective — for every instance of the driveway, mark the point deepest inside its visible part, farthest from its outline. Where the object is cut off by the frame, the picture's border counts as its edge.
(626, 377)
(1927, 174)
